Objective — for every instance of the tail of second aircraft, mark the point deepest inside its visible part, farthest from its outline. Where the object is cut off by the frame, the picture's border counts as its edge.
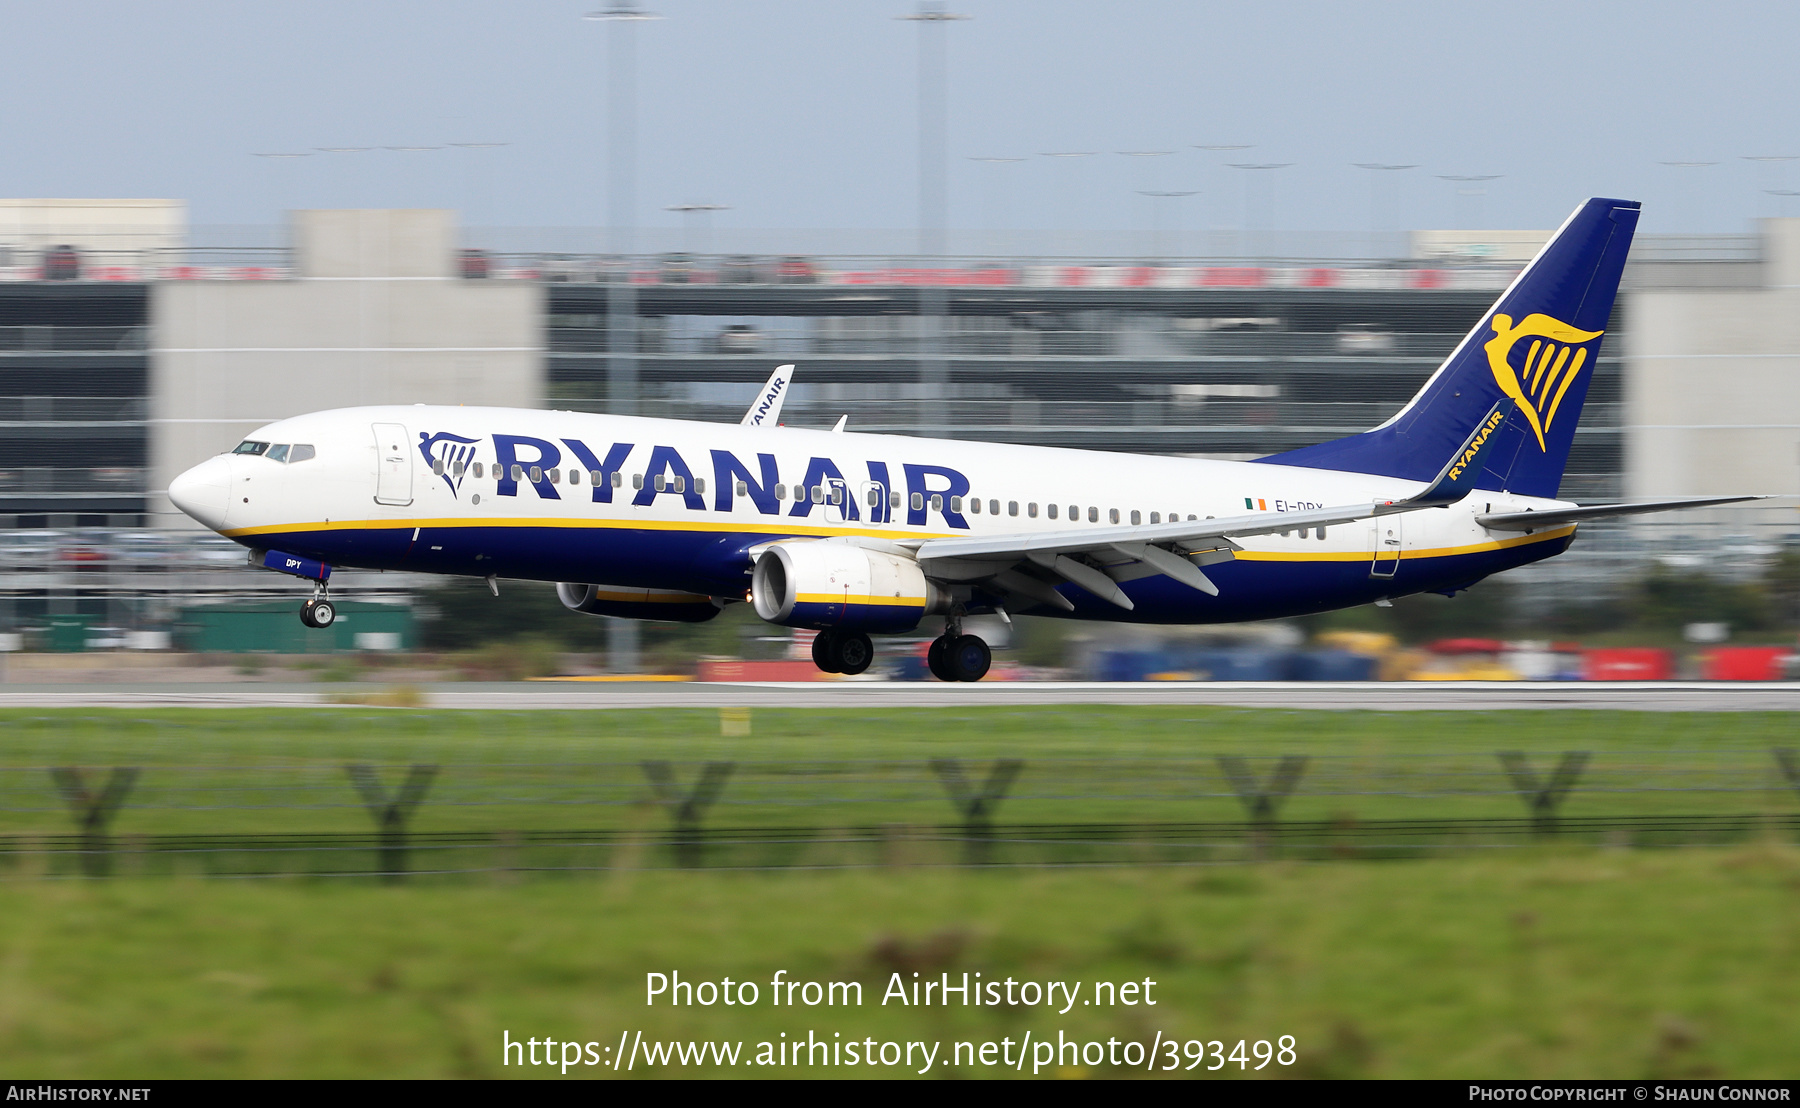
(1537, 346)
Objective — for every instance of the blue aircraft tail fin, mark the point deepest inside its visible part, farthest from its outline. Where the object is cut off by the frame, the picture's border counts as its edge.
(1536, 347)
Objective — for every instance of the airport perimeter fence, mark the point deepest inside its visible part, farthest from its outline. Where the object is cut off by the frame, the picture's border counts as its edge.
(355, 819)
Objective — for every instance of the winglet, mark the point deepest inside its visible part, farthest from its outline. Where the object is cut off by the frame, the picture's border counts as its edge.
(1457, 479)
(765, 410)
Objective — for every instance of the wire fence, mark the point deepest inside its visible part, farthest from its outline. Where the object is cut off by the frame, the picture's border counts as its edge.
(359, 819)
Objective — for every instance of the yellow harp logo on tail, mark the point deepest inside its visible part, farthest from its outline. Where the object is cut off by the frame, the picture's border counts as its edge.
(1552, 362)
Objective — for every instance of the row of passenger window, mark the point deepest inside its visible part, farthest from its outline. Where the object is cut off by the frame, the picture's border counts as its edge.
(820, 494)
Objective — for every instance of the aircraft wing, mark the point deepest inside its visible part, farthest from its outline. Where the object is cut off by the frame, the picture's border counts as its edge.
(1098, 558)
(1531, 521)
(765, 410)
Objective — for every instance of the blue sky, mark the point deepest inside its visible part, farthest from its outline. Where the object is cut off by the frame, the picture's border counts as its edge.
(802, 113)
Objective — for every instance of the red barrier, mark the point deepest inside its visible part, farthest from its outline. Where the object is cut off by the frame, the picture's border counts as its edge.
(1743, 663)
(1628, 663)
(734, 670)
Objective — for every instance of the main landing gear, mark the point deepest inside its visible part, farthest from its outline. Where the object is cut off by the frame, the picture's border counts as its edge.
(846, 652)
(954, 656)
(319, 612)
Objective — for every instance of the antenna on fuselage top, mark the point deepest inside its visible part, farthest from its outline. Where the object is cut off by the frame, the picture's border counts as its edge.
(765, 410)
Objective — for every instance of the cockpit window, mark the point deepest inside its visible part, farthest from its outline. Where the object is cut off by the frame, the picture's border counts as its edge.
(301, 452)
(249, 447)
(278, 452)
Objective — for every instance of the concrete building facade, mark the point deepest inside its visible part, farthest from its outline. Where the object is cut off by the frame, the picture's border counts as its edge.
(374, 313)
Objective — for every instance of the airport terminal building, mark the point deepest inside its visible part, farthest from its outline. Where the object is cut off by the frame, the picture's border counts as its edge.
(128, 355)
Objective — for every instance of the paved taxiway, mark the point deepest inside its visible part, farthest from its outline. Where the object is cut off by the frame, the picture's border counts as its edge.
(1472, 696)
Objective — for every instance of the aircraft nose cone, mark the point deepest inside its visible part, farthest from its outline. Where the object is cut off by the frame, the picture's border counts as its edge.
(204, 492)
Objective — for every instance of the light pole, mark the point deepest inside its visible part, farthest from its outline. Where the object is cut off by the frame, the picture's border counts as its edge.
(1260, 215)
(1146, 174)
(1156, 223)
(1769, 172)
(996, 185)
(934, 203)
(1221, 219)
(692, 215)
(1072, 199)
(621, 295)
(1471, 187)
(1379, 172)
(273, 160)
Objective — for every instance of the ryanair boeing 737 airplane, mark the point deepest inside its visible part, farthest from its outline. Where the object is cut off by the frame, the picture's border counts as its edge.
(856, 534)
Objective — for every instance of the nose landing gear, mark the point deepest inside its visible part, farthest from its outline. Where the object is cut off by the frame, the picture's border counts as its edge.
(319, 612)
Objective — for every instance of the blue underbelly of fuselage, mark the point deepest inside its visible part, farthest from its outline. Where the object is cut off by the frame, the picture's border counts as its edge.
(718, 564)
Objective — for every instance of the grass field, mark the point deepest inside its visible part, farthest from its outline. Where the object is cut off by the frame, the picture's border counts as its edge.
(1540, 960)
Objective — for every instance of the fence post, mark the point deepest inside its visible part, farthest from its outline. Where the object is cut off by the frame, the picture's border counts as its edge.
(391, 815)
(93, 811)
(1545, 798)
(687, 809)
(1262, 801)
(977, 806)
(1790, 765)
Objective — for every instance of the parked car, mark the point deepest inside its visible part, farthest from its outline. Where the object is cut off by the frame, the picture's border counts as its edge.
(742, 269)
(676, 269)
(793, 270)
(474, 265)
(739, 338)
(62, 263)
(1364, 338)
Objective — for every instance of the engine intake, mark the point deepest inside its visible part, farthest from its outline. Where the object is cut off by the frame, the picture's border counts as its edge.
(664, 605)
(824, 584)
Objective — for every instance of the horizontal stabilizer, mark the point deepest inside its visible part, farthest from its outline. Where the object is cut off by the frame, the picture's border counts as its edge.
(1532, 521)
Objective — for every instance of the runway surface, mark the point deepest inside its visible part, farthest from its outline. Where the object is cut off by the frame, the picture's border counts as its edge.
(1471, 696)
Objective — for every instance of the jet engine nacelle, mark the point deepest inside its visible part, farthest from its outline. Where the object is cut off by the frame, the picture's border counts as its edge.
(618, 600)
(826, 584)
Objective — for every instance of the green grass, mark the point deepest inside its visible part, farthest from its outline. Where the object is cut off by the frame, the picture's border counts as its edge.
(273, 771)
(1533, 963)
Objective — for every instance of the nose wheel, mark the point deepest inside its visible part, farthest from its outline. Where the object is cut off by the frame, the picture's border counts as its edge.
(319, 612)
